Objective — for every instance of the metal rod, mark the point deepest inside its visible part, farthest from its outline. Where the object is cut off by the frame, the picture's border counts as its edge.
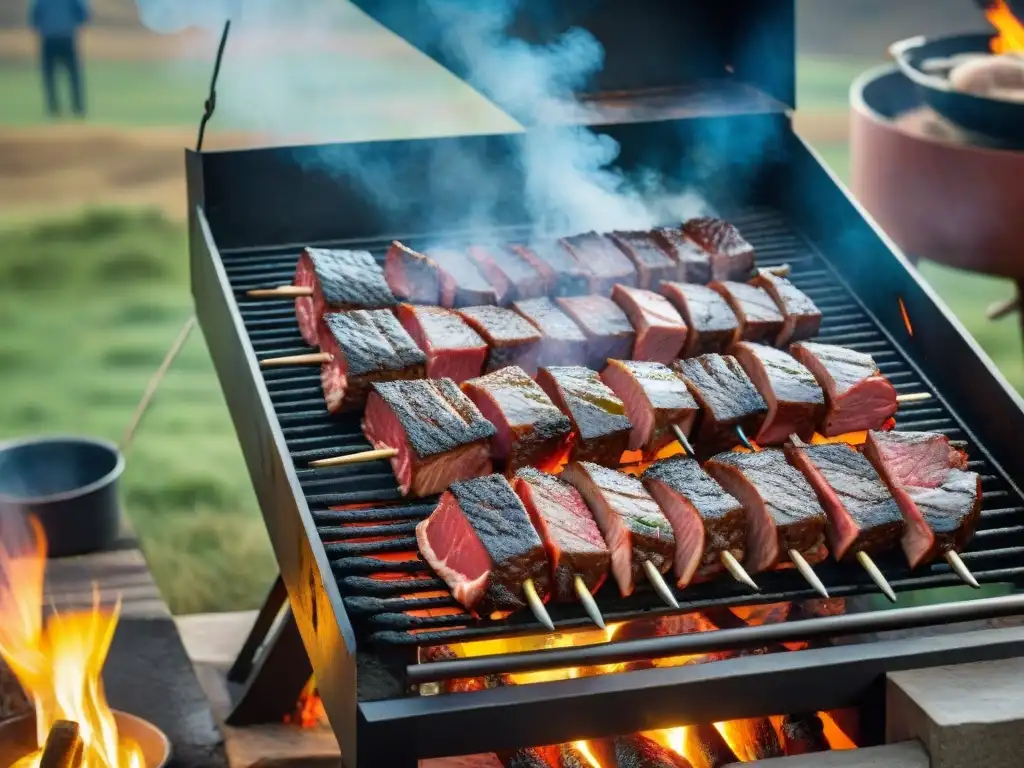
(313, 358)
(683, 441)
(876, 575)
(807, 572)
(738, 572)
(826, 627)
(355, 458)
(960, 569)
(743, 438)
(658, 582)
(537, 605)
(282, 291)
(588, 601)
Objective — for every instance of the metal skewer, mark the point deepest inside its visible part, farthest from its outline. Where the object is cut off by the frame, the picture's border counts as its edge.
(743, 438)
(588, 601)
(960, 568)
(311, 358)
(355, 458)
(876, 575)
(659, 585)
(732, 565)
(537, 605)
(807, 572)
(280, 292)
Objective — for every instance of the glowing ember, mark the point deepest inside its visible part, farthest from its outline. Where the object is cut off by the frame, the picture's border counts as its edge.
(906, 317)
(58, 664)
(309, 710)
(1011, 31)
(584, 749)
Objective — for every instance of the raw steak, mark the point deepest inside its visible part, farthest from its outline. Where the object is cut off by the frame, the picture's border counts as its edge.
(600, 427)
(562, 342)
(511, 339)
(412, 276)
(453, 349)
(655, 399)
(711, 324)
(606, 327)
(660, 331)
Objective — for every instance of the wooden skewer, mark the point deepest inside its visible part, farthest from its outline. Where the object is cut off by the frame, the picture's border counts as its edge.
(914, 397)
(681, 437)
(280, 292)
(537, 605)
(659, 585)
(743, 438)
(1003, 308)
(876, 575)
(960, 569)
(782, 270)
(738, 572)
(588, 601)
(355, 458)
(64, 746)
(312, 358)
(807, 572)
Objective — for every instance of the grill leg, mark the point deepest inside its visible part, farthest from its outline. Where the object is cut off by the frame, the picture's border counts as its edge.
(276, 599)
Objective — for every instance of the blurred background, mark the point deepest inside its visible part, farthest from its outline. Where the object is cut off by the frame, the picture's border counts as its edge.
(93, 260)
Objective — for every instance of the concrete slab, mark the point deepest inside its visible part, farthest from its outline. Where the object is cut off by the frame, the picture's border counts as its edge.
(907, 755)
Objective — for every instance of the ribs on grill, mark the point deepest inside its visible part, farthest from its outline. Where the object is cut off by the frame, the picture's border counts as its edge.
(653, 264)
(711, 324)
(511, 339)
(562, 342)
(604, 264)
(760, 320)
(412, 276)
(731, 256)
(660, 331)
(453, 349)
(601, 429)
(509, 273)
(802, 319)
(608, 331)
(462, 283)
(655, 399)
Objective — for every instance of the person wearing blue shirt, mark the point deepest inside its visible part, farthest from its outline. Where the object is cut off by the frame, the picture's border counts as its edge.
(57, 23)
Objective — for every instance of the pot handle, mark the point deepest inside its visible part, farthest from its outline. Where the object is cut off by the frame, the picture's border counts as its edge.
(900, 50)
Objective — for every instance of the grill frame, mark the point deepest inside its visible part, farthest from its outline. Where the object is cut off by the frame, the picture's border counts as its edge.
(364, 698)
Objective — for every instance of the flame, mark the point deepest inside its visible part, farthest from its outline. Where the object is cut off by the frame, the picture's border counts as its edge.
(584, 749)
(1011, 32)
(906, 317)
(309, 709)
(58, 664)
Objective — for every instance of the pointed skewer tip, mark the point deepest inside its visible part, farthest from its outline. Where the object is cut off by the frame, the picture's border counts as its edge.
(537, 605)
(588, 602)
(738, 572)
(876, 575)
(683, 440)
(807, 572)
(660, 586)
(960, 569)
(744, 441)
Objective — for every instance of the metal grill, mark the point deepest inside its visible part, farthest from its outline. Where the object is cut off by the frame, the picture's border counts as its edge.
(367, 528)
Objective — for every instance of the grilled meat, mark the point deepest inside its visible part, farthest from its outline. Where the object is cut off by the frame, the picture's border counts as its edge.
(803, 735)
(600, 428)
(706, 748)
(706, 520)
(802, 319)
(562, 342)
(693, 262)
(633, 525)
(462, 283)
(711, 324)
(732, 257)
(857, 395)
(862, 514)
(655, 399)
(570, 535)
(782, 510)
(453, 349)
(340, 280)
(440, 436)
(727, 399)
(760, 319)
(528, 757)
(638, 751)
(531, 431)
(795, 401)
(606, 327)
(603, 262)
(564, 276)
(512, 340)
(510, 274)
(366, 346)
(412, 276)
(939, 499)
(480, 542)
(653, 264)
(660, 331)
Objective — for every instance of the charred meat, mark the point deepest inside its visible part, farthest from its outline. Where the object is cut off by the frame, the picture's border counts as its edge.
(563, 275)
(660, 330)
(440, 436)
(802, 319)
(462, 283)
(760, 320)
(727, 399)
(601, 429)
(531, 431)
(803, 734)
(603, 262)
(412, 276)
(453, 349)
(732, 257)
(655, 399)
(562, 342)
(783, 512)
(711, 324)
(511, 339)
(857, 395)
(480, 542)
(633, 526)
(692, 261)
(510, 274)
(606, 327)
(340, 280)
(653, 264)
(366, 346)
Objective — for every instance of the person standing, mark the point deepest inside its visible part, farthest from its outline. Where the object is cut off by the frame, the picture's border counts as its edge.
(57, 23)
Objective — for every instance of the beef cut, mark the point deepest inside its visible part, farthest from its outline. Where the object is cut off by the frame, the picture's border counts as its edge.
(940, 500)
(693, 262)
(802, 318)
(795, 401)
(453, 349)
(604, 263)
(857, 395)
(732, 257)
(412, 276)
(606, 327)
(706, 520)
(562, 342)
(571, 537)
(638, 751)
(727, 399)
(340, 280)
(462, 282)
(531, 431)
(366, 346)
(653, 264)
(440, 436)
(510, 338)
(634, 527)
(480, 542)
(760, 320)
(782, 510)
(862, 514)
(660, 331)
(655, 399)
(601, 429)
(563, 275)
(711, 324)
(510, 274)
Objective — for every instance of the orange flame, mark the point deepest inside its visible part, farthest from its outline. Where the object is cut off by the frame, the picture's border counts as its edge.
(584, 749)
(309, 709)
(906, 317)
(58, 664)
(1011, 32)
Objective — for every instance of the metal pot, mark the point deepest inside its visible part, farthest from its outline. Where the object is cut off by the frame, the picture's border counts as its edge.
(69, 484)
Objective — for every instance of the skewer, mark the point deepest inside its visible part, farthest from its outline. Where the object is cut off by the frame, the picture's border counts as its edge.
(683, 441)
(537, 605)
(659, 585)
(588, 601)
(355, 458)
(876, 575)
(807, 572)
(782, 270)
(743, 439)
(280, 292)
(960, 569)
(311, 358)
(732, 565)
(913, 397)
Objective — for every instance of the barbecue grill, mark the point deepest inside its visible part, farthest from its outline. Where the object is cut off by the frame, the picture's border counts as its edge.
(707, 100)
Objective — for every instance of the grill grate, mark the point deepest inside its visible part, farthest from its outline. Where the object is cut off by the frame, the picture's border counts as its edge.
(367, 528)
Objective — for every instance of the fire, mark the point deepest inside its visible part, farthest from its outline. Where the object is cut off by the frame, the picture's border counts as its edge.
(309, 709)
(906, 317)
(584, 749)
(1011, 31)
(58, 663)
